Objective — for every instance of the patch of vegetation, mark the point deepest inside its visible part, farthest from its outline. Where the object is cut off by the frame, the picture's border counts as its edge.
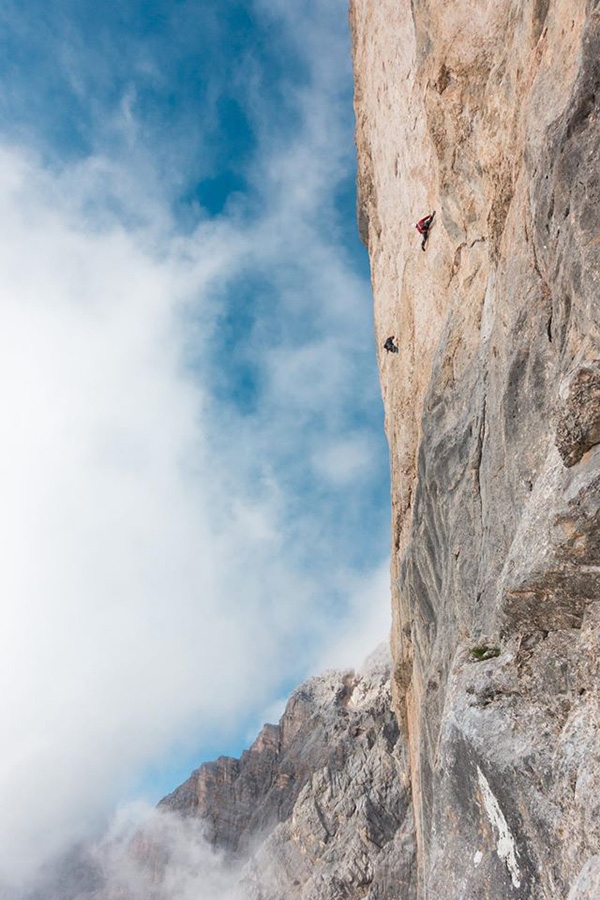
(484, 652)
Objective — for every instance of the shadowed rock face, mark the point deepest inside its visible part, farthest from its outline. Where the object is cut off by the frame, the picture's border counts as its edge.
(578, 428)
(488, 113)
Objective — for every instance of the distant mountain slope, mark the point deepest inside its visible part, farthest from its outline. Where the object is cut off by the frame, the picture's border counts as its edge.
(320, 802)
(317, 809)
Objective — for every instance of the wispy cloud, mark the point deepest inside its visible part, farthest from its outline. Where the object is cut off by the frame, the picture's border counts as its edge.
(192, 472)
(145, 854)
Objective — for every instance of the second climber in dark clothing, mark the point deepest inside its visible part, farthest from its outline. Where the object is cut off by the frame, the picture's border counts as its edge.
(423, 226)
(390, 346)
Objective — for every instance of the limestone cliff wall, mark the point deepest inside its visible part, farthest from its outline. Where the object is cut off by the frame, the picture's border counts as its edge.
(487, 112)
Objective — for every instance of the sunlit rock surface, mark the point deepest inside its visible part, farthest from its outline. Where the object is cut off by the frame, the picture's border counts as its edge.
(487, 112)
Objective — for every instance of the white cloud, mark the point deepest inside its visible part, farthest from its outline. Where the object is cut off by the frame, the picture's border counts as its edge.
(147, 852)
(163, 564)
(146, 579)
(143, 853)
(344, 461)
(109, 565)
(365, 624)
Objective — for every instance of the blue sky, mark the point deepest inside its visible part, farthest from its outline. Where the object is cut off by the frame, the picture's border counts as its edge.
(196, 473)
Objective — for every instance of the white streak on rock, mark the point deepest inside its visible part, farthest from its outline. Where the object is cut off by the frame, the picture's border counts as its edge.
(506, 847)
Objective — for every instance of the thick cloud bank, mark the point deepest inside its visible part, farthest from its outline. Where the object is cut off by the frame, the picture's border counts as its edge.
(144, 855)
(189, 469)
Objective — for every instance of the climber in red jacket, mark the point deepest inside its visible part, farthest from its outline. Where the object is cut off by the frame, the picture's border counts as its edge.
(423, 226)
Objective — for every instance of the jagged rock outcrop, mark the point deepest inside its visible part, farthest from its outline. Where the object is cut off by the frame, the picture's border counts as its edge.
(488, 113)
(319, 803)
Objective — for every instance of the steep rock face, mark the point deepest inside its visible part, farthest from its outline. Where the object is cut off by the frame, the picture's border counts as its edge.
(488, 113)
(321, 802)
